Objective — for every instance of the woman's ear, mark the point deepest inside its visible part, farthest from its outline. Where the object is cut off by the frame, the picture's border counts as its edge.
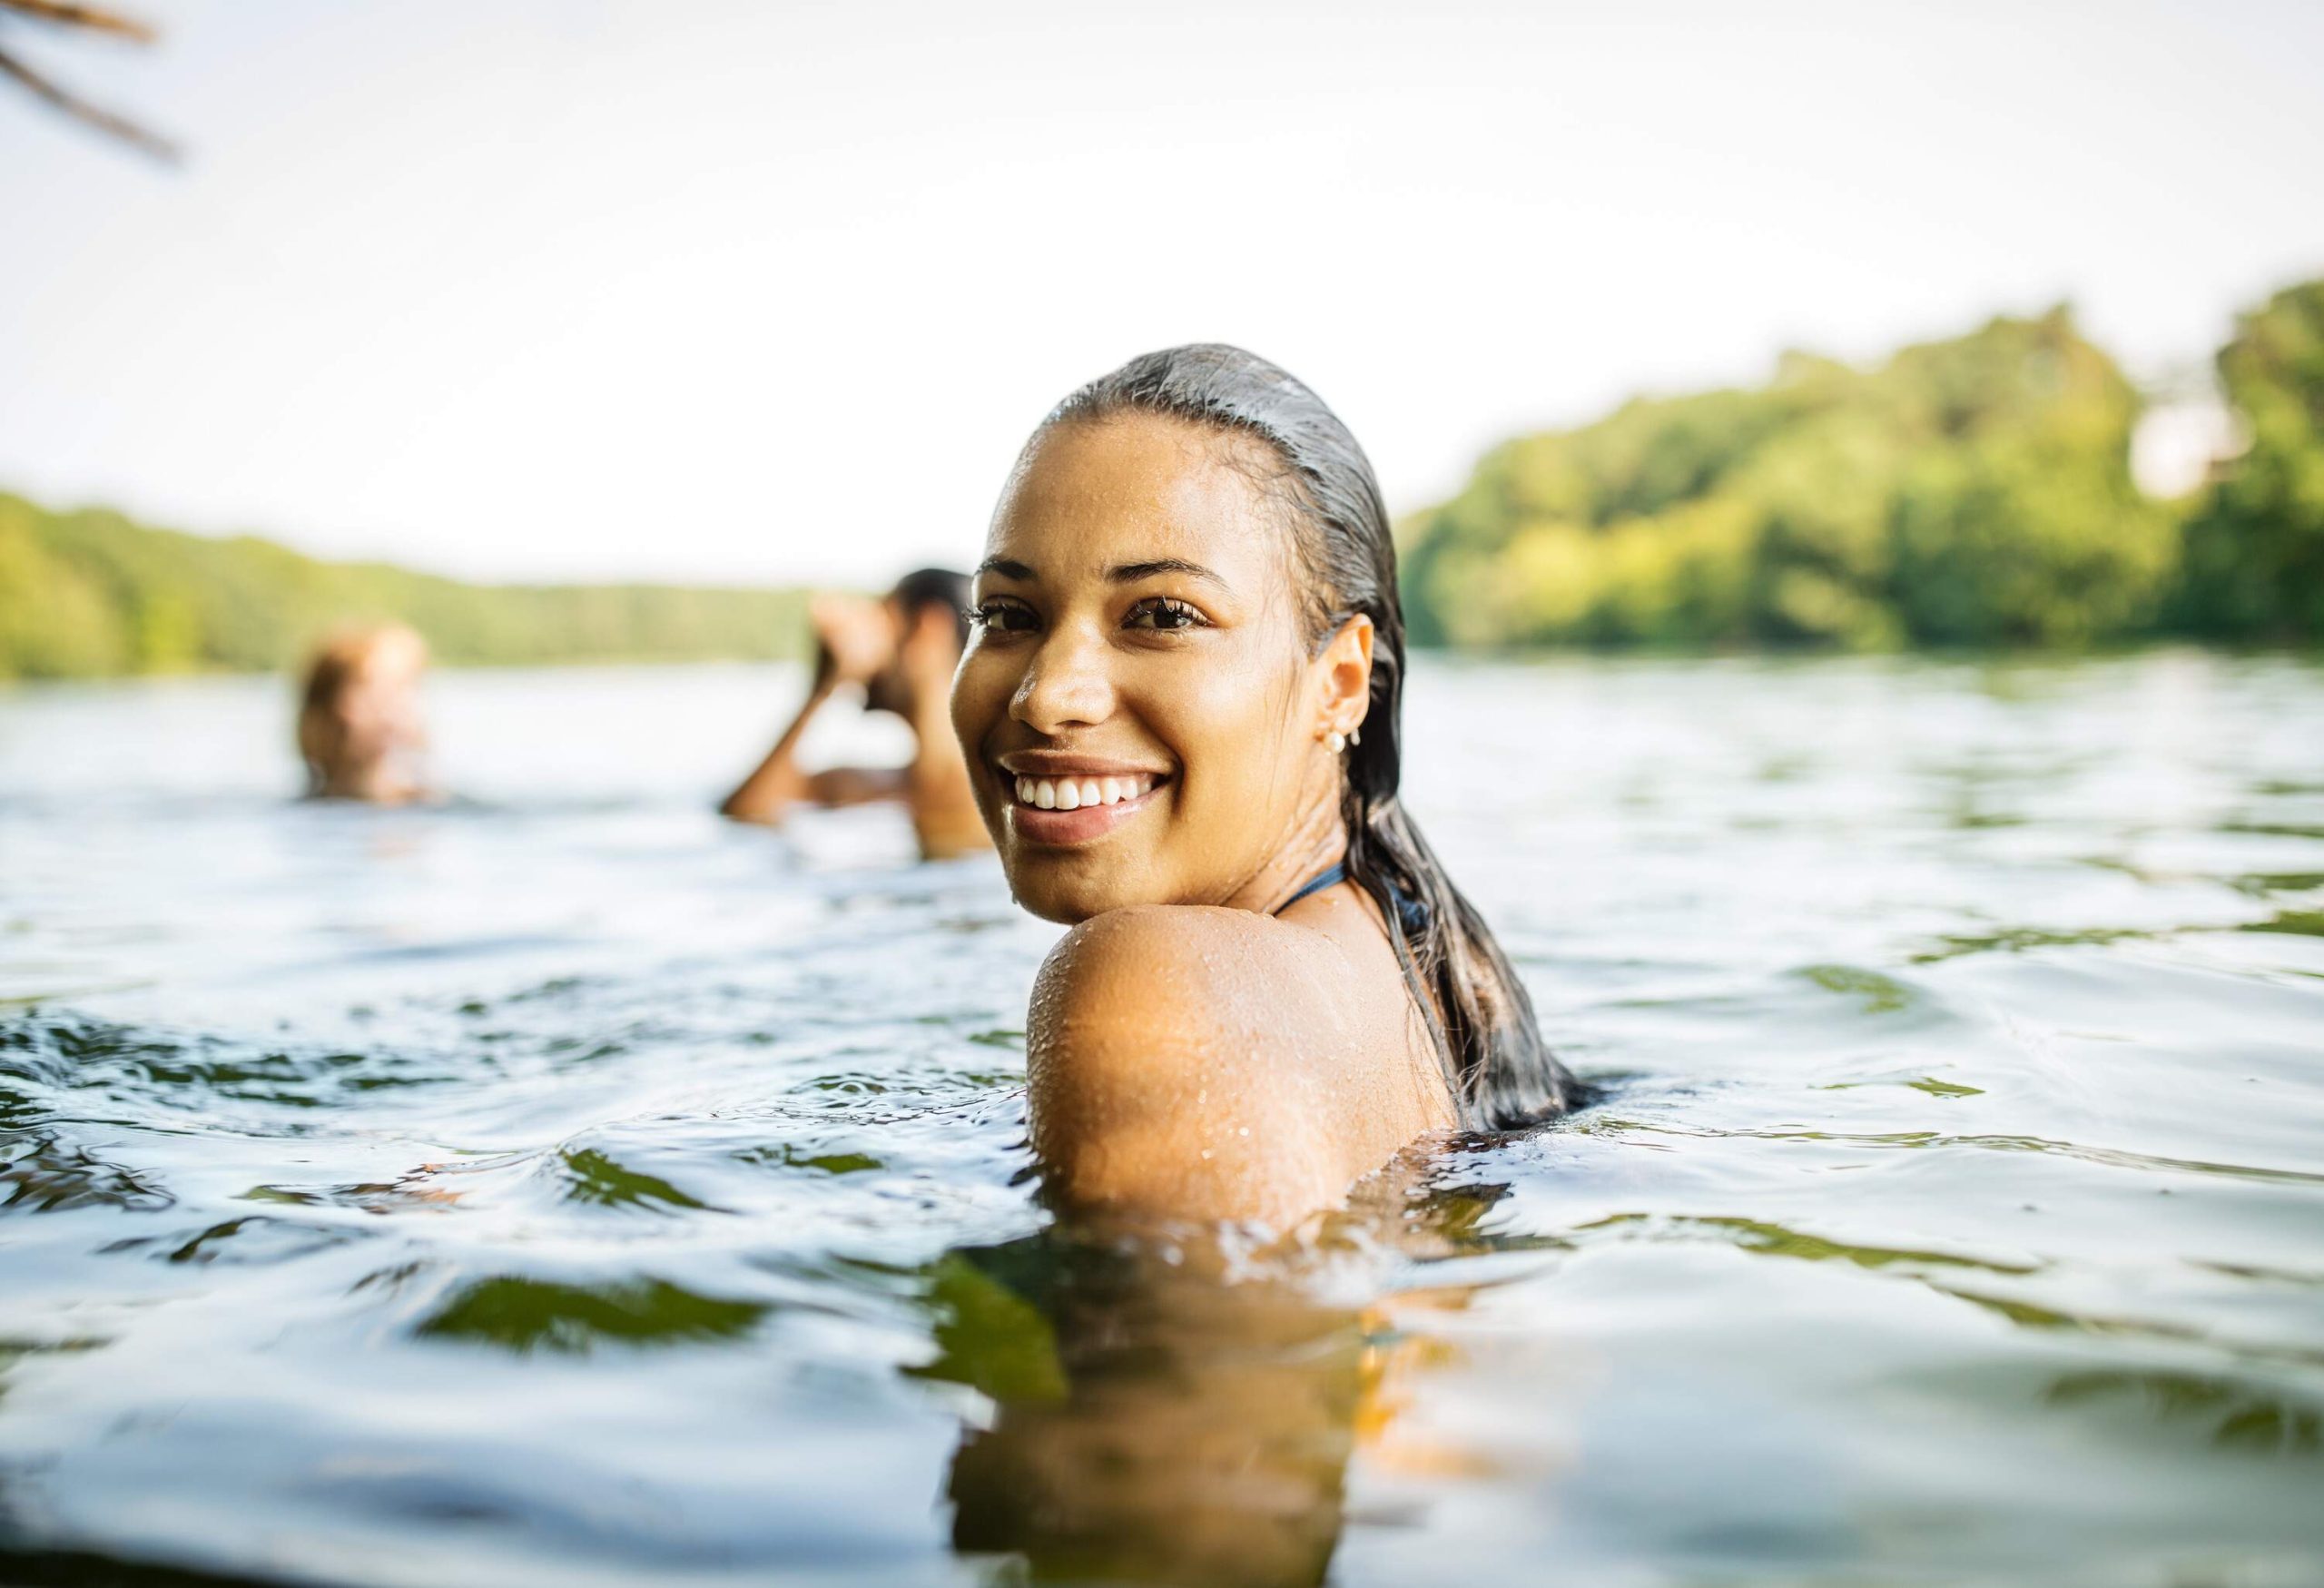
(1345, 675)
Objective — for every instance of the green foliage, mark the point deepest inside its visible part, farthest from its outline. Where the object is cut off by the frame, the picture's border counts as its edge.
(2254, 552)
(91, 595)
(1973, 491)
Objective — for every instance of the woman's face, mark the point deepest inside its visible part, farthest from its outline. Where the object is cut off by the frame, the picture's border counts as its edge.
(1139, 641)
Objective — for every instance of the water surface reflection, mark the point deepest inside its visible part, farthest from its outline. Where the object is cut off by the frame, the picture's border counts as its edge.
(564, 1187)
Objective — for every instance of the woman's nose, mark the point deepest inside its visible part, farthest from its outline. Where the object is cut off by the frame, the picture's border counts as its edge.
(1065, 684)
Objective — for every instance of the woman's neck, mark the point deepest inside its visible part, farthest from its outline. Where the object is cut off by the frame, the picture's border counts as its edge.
(1318, 841)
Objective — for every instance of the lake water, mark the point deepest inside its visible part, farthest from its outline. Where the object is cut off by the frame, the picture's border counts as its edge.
(566, 1188)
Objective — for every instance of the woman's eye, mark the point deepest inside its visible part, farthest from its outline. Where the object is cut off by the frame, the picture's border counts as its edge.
(1003, 616)
(1161, 612)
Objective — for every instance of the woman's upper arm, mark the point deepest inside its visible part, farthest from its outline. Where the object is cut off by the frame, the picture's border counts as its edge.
(1176, 1061)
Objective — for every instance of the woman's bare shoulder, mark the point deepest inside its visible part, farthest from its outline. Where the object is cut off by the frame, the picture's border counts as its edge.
(1197, 967)
(1208, 1062)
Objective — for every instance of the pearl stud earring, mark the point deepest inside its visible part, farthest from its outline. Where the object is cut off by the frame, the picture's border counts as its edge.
(1335, 741)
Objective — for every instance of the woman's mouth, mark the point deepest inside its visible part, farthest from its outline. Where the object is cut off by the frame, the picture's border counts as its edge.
(1067, 794)
(1075, 809)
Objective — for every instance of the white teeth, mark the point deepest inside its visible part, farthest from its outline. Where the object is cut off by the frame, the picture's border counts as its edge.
(1067, 794)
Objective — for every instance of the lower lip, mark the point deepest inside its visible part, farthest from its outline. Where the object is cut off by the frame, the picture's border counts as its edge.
(1035, 825)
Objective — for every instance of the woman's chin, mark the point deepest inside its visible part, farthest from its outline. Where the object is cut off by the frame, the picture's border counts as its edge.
(1067, 866)
(1068, 890)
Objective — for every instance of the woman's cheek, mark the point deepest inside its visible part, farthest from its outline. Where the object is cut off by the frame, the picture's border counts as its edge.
(973, 684)
(1221, 724)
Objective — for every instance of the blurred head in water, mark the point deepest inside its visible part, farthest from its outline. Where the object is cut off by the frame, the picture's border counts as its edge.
(1188, 661)
(927, 610)
(359, 724)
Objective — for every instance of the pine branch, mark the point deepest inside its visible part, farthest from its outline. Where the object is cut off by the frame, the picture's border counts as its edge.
(88, 16)
(82, 111)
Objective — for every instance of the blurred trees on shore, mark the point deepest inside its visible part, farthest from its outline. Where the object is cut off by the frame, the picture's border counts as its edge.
(1971, 492)
(2254, 558)
(1975, 492)
(88, 594)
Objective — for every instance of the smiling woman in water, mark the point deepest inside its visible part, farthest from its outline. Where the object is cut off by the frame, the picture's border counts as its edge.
(1180, 711)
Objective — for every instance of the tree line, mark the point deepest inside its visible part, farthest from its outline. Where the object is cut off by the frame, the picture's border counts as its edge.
(1970, 492)
(89, 593)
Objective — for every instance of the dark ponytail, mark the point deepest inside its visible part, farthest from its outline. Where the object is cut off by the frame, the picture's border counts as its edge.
(1500, 1071)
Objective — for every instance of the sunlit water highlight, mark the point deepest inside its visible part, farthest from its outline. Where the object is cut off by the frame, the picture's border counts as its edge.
(563, 1187)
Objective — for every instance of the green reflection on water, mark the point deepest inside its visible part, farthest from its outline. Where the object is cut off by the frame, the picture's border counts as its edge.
(1880, 994)
(2034, 1315)
(1757, 1236)
(2258, 883)
(2228, 1416)
(595, 1178)
(2019, 939)
(527, 1315)
(270, 1240)
(988, 1337)
(787, 1155)
(2302, 922)
(278, 1194)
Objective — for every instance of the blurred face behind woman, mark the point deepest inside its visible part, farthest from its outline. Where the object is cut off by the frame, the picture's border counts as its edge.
(1139, 701)
(359, 721)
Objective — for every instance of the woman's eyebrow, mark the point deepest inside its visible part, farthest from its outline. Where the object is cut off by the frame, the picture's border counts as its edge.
(1008, 569)
(1129, 572)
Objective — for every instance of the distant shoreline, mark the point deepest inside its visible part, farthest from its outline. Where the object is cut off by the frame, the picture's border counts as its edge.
(90, 593)
(1430, 657)
(1967, 497)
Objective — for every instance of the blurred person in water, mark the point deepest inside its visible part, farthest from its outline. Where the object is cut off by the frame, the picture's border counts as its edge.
(900, 650)
(359, 728)
(1180, 710)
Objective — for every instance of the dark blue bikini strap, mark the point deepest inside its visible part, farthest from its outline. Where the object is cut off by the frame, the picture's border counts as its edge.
(1409, 914)
(1315, 884)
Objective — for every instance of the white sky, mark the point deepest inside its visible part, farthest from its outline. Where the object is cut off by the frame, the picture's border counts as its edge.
(761, 293)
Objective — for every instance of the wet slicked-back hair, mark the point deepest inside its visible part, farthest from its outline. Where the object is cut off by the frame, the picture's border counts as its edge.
(1501, 1073)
